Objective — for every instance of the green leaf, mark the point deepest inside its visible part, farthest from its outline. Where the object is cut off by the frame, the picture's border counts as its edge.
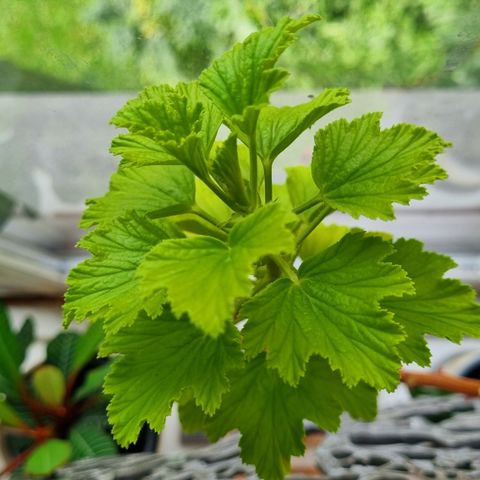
(61, 351)
(49, 385)
(300, 185)
(321, 238)
(168, 125)
(245, 75)
(8, 415)
(210, 118)
(160, 360)
(362, 170)
(146, 190)
(203, 276)
(139, 150)
(159, 111)
(270, 413)
(89, 441)
(87, 346)
(25, 336)
(443, 307)
(210, 203)
(225, 169)
(11, 354)
(92, 383)
(49, 456)
(171, 113)
(278, 127)
(105, 287)
(333, 311)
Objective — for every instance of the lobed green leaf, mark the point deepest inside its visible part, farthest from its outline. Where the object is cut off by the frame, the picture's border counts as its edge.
(278, 127)
(362, 170)
(145, 190)
(168, 126)
(443, 307)
(160, 359)
(269, 413)
(106, 287)
(204, 276)
(333, 311)
(240, 81)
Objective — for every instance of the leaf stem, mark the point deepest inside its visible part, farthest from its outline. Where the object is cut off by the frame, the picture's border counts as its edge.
(223, 196)
(252, 149)
(285, 267)
(307, 205)
(20, 458)
(267, 174)
(207, 217)
(322, 212)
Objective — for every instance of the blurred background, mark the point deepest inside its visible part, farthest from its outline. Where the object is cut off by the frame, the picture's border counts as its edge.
(66, 67)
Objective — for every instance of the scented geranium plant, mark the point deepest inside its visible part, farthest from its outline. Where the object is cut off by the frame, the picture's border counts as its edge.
(226, 293)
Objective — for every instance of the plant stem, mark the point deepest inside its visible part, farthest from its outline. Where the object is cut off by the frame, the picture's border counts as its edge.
(252, 149)
(267, 174)
(222, 195)
(207, 217)
(19, 459)
(40, 408)
(467, 386)
(285, 267)
(308, 204)
(322, 212)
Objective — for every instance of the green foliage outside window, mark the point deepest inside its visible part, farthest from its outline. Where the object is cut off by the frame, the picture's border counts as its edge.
(127, 44)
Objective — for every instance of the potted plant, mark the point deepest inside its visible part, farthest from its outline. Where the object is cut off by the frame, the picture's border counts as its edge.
(54, 412)
(226, 293)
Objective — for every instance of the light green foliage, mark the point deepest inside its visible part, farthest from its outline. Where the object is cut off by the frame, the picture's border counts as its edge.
(362, 170)
(300, 185)
(192, 269)
(443, 307)
(240, 82)
(106, 287)
(112, 45)
(330, 313)
(334, 303)
(269, 413)
(321, 238)
(149, 189)
(168, 126)
(278, 127)
(160, 359)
